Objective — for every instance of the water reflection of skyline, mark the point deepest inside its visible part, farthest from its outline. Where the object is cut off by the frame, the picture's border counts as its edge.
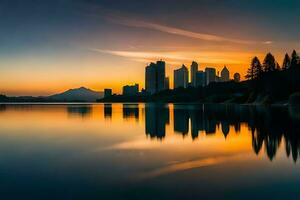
(107, 110)
(131, 111)
(156, 118)
(268, 126)
(79, 110)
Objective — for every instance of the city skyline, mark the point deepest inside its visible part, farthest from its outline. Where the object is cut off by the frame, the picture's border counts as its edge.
(149, 99)
(90, 43)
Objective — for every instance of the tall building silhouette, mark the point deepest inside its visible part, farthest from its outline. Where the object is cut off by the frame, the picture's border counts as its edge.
(155, 77)
(107, 92)
(161, 75)
(225, 75)
(150, 82)
(237, 77)
(194, 70)
(181, 77)
(167, 83)
(131, 90)
(200, 79)
(210, 75)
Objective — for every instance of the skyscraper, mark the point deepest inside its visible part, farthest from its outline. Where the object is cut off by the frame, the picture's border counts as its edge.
(181, 77)
(107, 93)
(131, 90)
(150, 78)
(194, 70)
(200, 79)
(155, 77)
(225, 74)
(160, 75)
(210, 75)
(167, 83)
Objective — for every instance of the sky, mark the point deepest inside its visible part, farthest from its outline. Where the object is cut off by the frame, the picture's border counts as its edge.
(47, 47)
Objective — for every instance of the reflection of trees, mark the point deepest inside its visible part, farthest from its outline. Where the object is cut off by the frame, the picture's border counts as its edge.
(268, 126)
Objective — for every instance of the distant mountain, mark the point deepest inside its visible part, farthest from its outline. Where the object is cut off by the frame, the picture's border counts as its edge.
(78, 94)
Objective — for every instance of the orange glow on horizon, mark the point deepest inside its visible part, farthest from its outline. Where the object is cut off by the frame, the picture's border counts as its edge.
(95, 77)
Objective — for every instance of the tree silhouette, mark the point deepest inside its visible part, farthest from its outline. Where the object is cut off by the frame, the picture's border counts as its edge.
(294, 60)
(255, 69)
(286, 62)
(269, 64)
(278, 68)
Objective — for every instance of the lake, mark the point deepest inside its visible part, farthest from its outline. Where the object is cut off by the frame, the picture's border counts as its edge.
(149, 151)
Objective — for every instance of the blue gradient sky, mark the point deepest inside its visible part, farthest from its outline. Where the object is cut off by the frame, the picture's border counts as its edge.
(49, 46)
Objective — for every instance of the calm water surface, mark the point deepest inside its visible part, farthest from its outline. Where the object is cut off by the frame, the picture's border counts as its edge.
(149, 151)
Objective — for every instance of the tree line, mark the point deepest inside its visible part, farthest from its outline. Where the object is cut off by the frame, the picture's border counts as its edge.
(269, 65)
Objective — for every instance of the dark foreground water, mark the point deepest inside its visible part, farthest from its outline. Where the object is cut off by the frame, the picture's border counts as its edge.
(138, 151)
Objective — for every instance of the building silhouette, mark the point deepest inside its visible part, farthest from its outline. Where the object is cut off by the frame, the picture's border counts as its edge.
(194, 71)
(131, 90)
(210, 75)
(167, 83)
(225, 75)
(181, 76)
(200, 79)
(237, 77)
(155, 77)
(107, 92)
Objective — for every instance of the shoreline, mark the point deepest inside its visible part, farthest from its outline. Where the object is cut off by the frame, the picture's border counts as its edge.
(149, 102)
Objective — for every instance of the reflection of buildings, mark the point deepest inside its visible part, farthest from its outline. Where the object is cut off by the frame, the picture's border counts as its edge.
(108, 110)
(197, 122)
(2, 107)
(268, 126)
(131, 111)
(157, 116)
(82, 111)
(181, 120)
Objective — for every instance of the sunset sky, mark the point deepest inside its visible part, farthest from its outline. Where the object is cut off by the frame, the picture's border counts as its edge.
(50, 46)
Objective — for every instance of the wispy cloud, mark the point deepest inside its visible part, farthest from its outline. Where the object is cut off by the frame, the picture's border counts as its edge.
(178, 57)
(143, 55)
(133, 21)
(138, 23)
